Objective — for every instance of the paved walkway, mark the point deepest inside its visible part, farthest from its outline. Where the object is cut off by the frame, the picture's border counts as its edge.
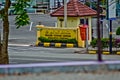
(67, 76)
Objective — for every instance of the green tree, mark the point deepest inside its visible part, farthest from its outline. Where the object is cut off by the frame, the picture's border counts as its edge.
(118, 31)
(21, 19)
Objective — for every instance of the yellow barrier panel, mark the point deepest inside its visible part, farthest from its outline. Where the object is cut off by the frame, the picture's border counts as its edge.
(46, 44)
(118, 53)
(57, 44)
(70, 45)
(106, 52)
(92, 52)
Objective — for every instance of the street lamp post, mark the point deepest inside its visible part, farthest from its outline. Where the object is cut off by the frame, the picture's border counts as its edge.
(99, 44)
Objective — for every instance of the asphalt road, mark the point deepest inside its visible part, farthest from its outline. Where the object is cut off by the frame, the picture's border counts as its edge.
(20, 52)
(24, 54)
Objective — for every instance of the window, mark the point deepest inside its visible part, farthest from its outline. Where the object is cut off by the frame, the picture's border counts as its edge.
(84, 21)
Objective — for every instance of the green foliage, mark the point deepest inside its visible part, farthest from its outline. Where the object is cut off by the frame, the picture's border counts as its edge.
(43, 39)
(93, 43)
(22, 18)
(118, 31)
(117, 42)
(20, 6)
(87, 3)
(2, 13)
(104, 41)
(94, 5)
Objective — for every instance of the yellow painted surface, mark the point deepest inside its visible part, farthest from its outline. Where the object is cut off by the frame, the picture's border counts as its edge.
(46, 44)
(40, 26)
(118, 53)
(92, 52)
(106, 52)
(90, 30)
(38, 35)
(70, 45)
(55, 33)
(57, 44)
(81, 43)
(60, 22)
(38, 32)
(71, 22)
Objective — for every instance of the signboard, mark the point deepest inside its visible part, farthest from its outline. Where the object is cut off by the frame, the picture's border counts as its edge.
(52, 33)
(111, 9)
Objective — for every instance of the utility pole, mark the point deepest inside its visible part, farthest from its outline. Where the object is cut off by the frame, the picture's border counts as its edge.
(65, 13)
(110, 37)
(111, 15)
(99, 44)
(63, 2)
(0, 44)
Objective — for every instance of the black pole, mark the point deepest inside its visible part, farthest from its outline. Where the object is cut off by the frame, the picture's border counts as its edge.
(63, 2)
(0, 44)
(110, 38)
(101, 22)
(58, 4)
(54, 3)
(99, 45)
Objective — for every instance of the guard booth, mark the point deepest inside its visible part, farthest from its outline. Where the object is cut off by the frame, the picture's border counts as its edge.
(77, 13)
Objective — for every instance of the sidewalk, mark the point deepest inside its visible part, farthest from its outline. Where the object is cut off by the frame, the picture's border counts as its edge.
(76, 70)
(67, 76)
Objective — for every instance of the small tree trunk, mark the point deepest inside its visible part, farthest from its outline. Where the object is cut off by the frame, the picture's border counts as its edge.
(4, 45)
(4, 58)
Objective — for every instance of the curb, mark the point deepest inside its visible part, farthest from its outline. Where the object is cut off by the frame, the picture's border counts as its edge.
(63, 67)
(104, 52)
(57, 45)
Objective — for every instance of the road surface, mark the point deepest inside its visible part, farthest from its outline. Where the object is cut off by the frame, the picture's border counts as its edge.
(20, 39)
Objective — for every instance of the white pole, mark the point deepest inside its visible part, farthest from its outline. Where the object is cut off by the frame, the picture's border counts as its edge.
(87, 34)
(65, 13)
(107, 26)
(31, 26)
(55, 24)
(35, 5)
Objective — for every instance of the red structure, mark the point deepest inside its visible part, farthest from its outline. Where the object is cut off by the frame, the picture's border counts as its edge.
(74, 9)
(83, 31)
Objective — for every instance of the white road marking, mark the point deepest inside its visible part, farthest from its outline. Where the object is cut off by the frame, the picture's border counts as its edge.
(19, 45)
(31, 26)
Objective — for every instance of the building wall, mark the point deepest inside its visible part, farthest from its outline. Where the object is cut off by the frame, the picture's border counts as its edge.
(71, 22)
(118, 8)
(52, 4)
(41, 4)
